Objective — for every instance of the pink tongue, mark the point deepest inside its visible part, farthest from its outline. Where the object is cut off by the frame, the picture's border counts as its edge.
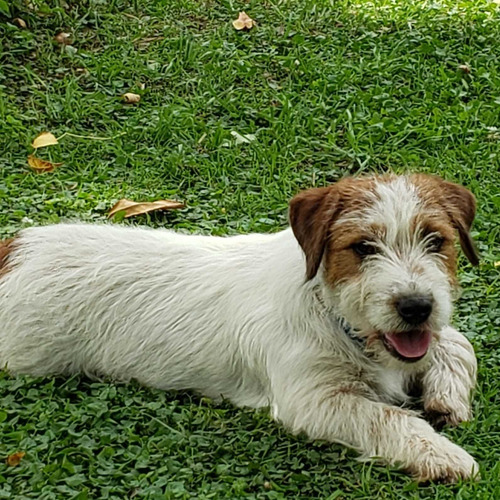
(413, 344)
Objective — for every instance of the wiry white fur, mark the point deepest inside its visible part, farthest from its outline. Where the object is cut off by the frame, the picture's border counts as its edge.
(234, 317)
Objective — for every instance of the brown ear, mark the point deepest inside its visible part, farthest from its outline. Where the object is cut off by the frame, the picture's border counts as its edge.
(460, 205)
(311, 213)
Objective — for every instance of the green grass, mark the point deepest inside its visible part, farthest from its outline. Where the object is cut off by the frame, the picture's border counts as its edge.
(328, 89)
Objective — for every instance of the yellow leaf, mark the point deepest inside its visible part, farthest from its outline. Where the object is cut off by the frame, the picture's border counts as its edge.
(15, 458)
(130, 98)
(132, 208)
(63, 38)
(244, 22)
(20, 22)
(43, 140)
(239, 25)
(39, 165)
(497, 263)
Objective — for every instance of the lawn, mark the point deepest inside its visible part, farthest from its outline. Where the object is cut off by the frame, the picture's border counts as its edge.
(328, 89)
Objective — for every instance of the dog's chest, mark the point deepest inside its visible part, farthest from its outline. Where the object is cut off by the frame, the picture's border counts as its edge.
(389, 384)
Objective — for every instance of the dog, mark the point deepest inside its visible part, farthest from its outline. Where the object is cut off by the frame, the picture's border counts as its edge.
(332, 322)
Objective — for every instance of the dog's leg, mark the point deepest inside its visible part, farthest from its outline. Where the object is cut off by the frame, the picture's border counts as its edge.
(448, 383)
(345, 414)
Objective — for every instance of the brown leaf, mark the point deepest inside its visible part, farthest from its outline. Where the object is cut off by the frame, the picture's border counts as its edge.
(132, 208)
(21, 23)
(63, 38)
(39, 165)
(244, 22)
(44, 139)
(15, 458)
(130, 98)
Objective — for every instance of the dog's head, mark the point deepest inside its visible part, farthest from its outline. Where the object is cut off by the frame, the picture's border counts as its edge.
(385, 248)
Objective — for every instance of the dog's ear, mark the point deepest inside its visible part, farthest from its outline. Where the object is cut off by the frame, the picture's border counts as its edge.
(460, 205)
(311, 213)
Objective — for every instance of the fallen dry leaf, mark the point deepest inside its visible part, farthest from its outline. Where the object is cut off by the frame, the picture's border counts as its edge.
(132, 208)
(15, 458)
(244, 22)
(63, 38)
(21, 23)
(130, 98)
(497, 263)
(465, 68)
(39, 165)
(43, 140)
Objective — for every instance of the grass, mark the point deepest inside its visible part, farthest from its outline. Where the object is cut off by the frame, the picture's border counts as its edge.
(328, 89)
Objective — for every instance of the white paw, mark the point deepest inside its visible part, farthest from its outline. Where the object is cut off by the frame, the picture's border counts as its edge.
(448, 385)
(444, 461)
(441, 411)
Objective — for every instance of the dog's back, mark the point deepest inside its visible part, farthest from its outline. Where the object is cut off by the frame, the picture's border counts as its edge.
(134, 303)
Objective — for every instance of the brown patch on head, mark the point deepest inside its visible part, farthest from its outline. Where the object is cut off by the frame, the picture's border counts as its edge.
(6, 247)
(431, 223)
(312, 216)
(342, 262)
(456, 203)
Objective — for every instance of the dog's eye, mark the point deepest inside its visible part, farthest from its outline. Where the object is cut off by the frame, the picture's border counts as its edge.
(364, 248)
(435, 243)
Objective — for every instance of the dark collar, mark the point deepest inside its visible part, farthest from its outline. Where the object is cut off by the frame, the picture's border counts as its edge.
(350, 332)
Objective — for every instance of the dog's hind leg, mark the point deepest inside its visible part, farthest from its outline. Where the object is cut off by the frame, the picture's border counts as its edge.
(448, 383)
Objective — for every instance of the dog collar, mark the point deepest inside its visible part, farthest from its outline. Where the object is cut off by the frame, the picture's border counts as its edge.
(350, 332)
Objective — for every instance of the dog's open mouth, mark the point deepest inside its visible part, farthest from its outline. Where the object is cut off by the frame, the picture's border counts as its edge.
(408, 346)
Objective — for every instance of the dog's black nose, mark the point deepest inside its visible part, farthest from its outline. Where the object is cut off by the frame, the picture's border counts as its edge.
(414, 309)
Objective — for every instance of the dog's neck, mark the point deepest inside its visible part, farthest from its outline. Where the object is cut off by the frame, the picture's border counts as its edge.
(338, 321)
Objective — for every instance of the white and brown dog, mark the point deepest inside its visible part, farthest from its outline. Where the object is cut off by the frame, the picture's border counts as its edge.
(330, 323)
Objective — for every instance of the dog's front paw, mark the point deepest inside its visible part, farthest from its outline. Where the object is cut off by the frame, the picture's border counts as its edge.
(446, 398)
(445, 462)
(449, 382)
(440, 411)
